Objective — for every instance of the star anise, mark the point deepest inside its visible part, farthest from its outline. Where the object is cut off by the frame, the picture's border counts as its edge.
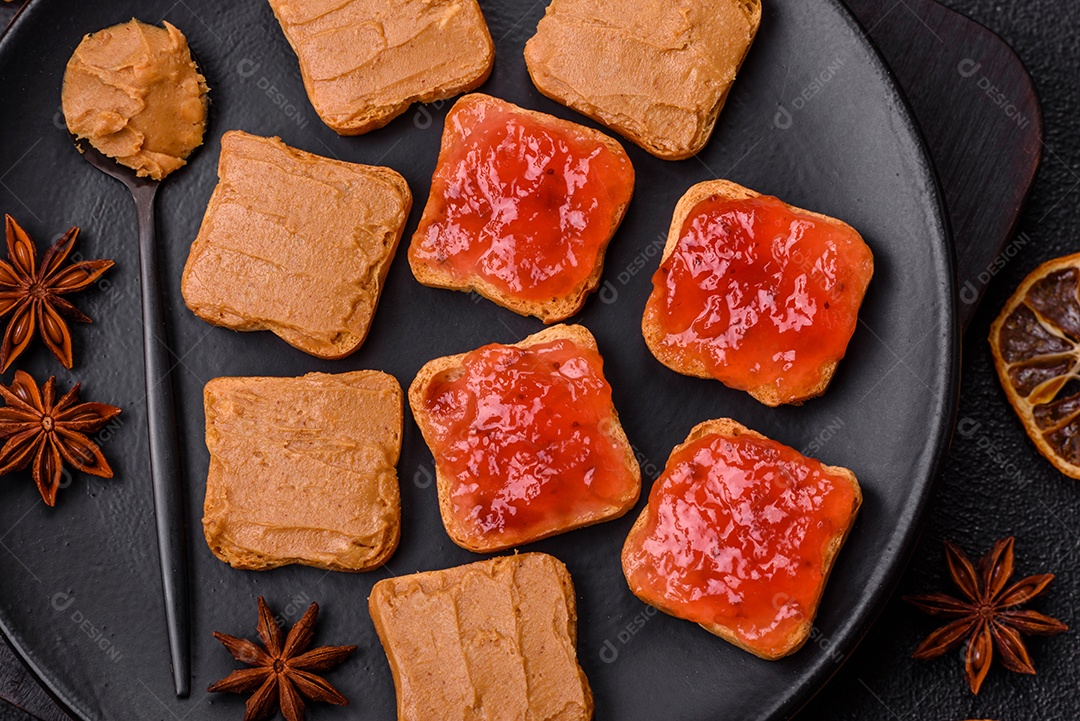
(282, 673)
(31, 295)
(47, 432)
(987, 617)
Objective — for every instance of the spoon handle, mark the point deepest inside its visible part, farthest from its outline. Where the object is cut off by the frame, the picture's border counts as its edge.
(164, 450)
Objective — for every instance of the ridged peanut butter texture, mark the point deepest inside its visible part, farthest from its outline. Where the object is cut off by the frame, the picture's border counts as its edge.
(133, 91)
(296, 244)
(657, 71)
(304, 470)
(364, 62)
(494, 640)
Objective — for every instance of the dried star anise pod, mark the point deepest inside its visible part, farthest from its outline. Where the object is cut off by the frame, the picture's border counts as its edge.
(282, 672)
(38, 428)
(987, 617)
(31, 295)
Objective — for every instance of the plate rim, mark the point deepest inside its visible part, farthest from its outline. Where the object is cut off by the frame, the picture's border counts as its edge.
(795, 697)
(799, 695)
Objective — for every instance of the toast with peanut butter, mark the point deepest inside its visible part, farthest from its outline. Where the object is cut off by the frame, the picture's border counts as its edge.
(364, 62)
(303, 470)
(526, 440)
(495, 639)
(658, 72)
(296, 244)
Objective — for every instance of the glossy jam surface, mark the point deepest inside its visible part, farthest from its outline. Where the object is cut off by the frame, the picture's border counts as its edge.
(524, 434)
(761, 295)
(527, 206)
(736, 532)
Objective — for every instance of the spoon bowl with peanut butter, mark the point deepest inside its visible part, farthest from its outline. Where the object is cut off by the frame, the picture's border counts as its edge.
(136, 104)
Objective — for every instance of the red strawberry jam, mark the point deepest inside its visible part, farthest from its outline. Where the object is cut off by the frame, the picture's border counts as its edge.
(760, 296)
(523, 201)
(737, 534)
(525, 436)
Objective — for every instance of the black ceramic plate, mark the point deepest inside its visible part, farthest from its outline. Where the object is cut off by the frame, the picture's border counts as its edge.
(814, 118)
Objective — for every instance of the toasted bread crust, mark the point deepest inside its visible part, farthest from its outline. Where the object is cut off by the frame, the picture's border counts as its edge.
(581, 337)
(362, 554)
(550, 311)
(468, 78)
(665, 148)
(650, 327)
(211, 304)
(733, 429)
(385, 592)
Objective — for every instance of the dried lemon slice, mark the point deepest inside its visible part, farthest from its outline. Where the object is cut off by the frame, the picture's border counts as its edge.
(1036, 346)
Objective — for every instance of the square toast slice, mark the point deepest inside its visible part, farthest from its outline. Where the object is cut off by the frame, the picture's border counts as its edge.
(521, 499)
(656, 72)
(296, 244)
(754, 545)
(304, 470)
(765, 392)
(495, 639)
(364, 62)
(523, 206)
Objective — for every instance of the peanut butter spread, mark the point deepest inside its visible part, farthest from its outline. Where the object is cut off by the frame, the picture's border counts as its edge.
(135, 94)
(657, 71)
(365, 61)
(303, 470)
(494, 640)
(295, 243)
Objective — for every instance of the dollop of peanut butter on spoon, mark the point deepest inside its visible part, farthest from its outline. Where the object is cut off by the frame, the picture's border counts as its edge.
(134, 92)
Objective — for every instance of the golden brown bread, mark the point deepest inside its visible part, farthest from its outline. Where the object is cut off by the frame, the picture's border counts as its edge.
(364, 62)
(494, 639)
(551, 310)
(733, 429)
(581, 337)
(296, 244)
(650, 328)
(658, 72)
(304, 470)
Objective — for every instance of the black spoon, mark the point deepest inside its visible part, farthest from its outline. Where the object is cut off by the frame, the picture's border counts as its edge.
(161, 418)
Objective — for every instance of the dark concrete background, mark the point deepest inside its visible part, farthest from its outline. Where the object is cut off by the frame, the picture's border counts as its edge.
(994, 483)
